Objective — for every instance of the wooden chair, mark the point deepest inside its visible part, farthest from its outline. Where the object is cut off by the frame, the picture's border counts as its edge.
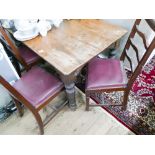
(23, 54)
(108, 75)
(35, 90)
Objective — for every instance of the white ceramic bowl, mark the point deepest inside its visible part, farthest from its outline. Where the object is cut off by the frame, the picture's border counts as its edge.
(43, 27)
(57, 22)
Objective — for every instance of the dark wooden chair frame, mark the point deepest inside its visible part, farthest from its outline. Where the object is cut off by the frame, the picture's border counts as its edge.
(18, 98)
(15, 50)
(124, 55)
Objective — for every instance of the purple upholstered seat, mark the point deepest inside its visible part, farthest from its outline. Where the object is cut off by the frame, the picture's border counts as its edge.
(105, 73)
(37, 86)
(28, 55)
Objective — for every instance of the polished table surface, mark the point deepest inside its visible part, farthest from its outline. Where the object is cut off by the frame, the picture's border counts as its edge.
(69, 47)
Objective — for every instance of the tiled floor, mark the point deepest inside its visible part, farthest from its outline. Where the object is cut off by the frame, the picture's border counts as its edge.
(67, 122)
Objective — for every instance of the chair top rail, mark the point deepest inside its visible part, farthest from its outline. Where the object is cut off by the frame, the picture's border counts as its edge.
(151, 23)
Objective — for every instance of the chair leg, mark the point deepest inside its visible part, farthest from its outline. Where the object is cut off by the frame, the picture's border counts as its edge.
(87, 101)
(19, 108)
(125, 100)
(39, 121)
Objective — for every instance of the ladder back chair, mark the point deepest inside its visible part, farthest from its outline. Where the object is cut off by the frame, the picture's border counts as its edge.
(35, 90)
(109, 75)
(23, 54)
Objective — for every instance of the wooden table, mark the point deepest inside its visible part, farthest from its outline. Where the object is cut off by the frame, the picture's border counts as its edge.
(69, 47)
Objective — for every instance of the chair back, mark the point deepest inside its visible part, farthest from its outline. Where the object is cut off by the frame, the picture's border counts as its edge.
(13, 47)
(15, 94)
(137, 54)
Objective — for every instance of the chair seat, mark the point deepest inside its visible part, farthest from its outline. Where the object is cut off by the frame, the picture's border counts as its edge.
(37, 86)
(106, 74)
(28, 55)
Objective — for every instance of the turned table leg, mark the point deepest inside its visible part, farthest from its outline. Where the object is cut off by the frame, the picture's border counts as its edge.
(70, 90)
(69, 82)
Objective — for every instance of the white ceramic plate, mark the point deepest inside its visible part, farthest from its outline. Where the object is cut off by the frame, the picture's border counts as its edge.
(19, 35)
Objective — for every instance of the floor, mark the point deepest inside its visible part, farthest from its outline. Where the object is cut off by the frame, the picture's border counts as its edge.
(95, 122)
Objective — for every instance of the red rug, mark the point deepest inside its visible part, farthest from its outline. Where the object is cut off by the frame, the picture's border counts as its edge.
(140, 114)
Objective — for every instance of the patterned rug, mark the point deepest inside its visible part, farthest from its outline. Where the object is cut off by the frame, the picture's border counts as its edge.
(140, 113)
(139, 116)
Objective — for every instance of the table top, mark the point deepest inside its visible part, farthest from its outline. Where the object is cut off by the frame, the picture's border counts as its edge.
(75, 42)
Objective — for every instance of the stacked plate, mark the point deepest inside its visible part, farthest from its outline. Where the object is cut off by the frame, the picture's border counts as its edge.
(25, 30)
(19, 35)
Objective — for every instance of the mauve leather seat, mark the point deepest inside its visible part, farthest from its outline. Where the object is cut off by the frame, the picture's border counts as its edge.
(28, 55)
(37, 86)
(105, 73)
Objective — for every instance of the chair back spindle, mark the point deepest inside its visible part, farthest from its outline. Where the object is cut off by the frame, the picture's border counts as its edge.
(148, 48)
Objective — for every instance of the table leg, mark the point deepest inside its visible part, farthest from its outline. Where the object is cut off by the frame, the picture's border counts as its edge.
(69, 82)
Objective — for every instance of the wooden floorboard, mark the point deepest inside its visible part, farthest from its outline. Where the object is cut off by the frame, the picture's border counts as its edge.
(95, 122)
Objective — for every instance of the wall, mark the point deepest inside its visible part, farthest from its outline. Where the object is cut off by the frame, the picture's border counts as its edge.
(127, 24)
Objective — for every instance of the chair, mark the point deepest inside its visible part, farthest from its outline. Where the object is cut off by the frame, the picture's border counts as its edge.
(35, 90)
(23, 54)
(108, 75)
